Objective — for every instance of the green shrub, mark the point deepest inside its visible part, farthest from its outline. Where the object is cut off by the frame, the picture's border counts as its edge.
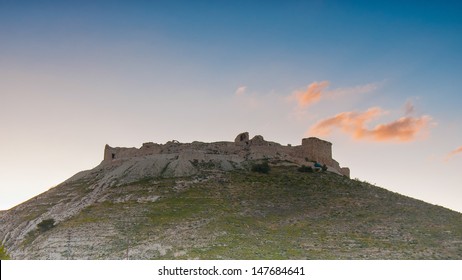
(46, 225)
(261, 167)
(3, 253)
(305, 168)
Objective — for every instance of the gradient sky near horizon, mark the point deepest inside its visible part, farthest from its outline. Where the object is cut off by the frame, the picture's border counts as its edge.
(381, 80)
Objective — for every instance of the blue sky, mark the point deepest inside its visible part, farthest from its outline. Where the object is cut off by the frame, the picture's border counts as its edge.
(75, 75)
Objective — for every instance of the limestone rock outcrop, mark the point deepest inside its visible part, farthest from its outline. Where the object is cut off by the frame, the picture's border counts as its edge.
(242, 138)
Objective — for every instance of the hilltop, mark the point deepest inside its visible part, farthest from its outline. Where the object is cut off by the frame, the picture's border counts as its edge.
(208, 201)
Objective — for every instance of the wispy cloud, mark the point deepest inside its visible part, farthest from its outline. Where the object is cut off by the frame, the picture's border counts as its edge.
(454, 153)
(311, 95)
(409, 108)
(339, 92)
(317, 91)
(352, 123)
(248, 99)
(240, 90)
(404, 129)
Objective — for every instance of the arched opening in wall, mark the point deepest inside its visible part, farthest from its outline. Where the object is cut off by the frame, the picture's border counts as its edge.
(113, 156)
(242, 137)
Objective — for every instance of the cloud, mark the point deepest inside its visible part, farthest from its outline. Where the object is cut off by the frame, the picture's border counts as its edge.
(316, 91)
(247, 99)
(336, 93)
(404, 129)
(311, 95)
(240, 90)
(453, 153)
(350, 122)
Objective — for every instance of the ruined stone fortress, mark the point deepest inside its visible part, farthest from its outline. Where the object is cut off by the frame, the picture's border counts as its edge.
(181, 159)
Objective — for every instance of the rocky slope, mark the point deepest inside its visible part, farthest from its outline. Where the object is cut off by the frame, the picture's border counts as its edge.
(192, 204)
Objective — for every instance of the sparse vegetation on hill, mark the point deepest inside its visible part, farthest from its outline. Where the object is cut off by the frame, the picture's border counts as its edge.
(261, 167)
(46, 225)
(284, 214)
(247, 199)
(305, 168)
(3, 253)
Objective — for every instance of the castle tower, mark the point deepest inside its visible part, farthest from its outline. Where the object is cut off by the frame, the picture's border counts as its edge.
(315, 149)
(109, 153)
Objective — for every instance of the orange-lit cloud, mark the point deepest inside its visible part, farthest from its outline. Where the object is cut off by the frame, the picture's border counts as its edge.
(311, 95)
(352, 123)
(404, 129)
(316, 91)
(455, 152)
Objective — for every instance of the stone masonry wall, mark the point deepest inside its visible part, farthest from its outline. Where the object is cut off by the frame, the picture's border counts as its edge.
(318, 150)
(312, 149)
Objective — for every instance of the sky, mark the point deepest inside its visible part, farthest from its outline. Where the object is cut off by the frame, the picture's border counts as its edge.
(378, 79)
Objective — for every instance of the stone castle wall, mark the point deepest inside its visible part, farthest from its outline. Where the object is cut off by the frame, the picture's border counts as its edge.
(318, 150)
(312, 149)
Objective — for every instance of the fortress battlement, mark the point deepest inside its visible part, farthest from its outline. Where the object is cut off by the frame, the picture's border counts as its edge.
(243, 148)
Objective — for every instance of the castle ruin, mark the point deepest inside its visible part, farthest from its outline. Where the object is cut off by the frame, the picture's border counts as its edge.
(243, 148)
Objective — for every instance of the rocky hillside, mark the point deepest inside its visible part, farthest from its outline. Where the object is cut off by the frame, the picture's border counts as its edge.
(213, 206)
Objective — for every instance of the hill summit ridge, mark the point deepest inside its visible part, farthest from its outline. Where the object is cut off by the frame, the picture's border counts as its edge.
(181, 159)
(207, 201)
